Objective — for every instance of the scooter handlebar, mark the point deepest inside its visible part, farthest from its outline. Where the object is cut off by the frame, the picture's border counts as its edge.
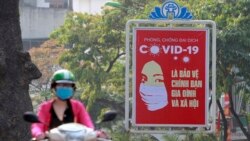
(102, 139)
(45, 139)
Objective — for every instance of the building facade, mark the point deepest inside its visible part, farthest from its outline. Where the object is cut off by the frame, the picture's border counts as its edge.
(38, 18)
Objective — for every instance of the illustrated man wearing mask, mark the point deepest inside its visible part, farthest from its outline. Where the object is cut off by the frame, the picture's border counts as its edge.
(152, 88)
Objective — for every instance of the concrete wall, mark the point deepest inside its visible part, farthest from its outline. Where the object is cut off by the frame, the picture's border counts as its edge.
(88, 6)
(38, 20)
(38, 23)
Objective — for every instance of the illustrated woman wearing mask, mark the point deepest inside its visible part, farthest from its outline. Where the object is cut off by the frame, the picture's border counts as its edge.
(62, 108)
(152, 88)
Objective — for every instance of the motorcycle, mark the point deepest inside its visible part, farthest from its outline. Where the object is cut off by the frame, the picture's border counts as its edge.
(72, 131)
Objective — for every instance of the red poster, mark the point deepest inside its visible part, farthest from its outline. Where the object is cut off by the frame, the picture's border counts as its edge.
(171, 70)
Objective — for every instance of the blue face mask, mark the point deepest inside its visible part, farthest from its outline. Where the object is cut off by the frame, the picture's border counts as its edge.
(64, 93)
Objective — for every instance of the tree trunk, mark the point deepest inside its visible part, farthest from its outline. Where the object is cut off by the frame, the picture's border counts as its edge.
(16, 71)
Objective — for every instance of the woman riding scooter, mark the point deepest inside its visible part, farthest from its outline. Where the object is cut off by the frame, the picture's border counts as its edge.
(62, 108)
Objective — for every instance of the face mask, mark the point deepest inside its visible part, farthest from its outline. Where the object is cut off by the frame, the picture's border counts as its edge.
(155, 97)
(64, 93)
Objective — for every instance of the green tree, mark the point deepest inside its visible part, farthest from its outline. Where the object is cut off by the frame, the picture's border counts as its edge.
(94, 57)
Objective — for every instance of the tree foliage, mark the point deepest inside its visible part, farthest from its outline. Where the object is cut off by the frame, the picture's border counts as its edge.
(46, 59)
(94, 57)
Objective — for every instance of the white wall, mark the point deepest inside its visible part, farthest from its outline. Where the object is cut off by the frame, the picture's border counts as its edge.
(40, 22)
(42, 3)
(88, 6)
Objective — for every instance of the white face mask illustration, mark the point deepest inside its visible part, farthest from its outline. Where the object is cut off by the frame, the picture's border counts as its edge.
(152, 88)
(155, 97)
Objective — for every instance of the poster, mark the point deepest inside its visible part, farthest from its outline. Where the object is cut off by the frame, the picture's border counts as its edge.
(170, 69)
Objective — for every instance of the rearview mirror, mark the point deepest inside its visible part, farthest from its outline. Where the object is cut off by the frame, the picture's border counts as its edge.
(108, 116)
(31, 117)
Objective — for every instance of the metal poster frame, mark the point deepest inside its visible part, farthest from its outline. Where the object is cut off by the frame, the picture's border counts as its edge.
(129, 81)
